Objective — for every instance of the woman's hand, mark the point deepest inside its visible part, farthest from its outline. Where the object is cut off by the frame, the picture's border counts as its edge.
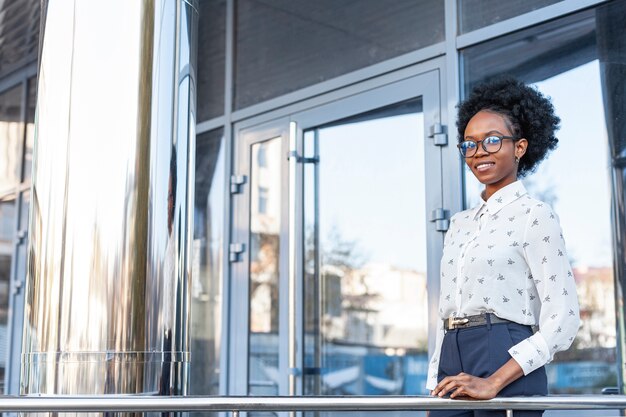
(465, 385)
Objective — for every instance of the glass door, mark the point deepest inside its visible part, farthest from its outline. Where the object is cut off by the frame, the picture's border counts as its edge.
(257, 363)
(370, 179)
(365, 258)
(338, 271)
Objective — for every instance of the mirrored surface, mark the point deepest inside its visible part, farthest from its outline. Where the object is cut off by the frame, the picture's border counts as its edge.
(265, 202)
(365, 255)
(108, 299)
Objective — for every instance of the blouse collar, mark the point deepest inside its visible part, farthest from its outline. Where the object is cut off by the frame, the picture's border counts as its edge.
(501, 198)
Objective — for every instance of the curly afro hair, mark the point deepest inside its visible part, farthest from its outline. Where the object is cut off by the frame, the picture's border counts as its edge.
(529, 114)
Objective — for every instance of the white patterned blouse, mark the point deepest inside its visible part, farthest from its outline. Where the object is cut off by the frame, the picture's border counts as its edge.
(507, 256)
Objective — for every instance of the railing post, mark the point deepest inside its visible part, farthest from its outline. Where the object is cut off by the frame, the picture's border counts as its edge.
(509, 413)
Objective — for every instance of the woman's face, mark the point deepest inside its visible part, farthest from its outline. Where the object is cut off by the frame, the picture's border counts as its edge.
(499, 168)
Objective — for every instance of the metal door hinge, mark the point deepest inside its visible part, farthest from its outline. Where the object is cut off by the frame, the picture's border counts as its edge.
(234, 250)
(17, 286)
(21, 236)
(236, 181)
(439, 135)
(440, 217)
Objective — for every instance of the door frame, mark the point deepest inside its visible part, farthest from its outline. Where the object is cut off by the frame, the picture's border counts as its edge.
(426, 86)
(237, 305)
(291, 128)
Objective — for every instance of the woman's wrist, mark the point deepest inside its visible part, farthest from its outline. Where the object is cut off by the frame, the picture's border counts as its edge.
(506, 374)
(497, 382)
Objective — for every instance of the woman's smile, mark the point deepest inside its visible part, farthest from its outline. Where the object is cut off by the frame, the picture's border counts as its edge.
(484, 166)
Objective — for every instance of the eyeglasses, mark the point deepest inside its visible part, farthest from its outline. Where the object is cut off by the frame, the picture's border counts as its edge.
(491, 144)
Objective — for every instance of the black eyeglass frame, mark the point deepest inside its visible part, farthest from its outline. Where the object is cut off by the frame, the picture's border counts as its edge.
(482, 143)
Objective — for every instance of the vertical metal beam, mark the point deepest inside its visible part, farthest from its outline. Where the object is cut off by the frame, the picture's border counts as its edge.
(453, 174)
(226, 382)
(611, 50)
(319, 282)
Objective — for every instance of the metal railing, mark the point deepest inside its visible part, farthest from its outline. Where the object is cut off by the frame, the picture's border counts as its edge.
(135, 403)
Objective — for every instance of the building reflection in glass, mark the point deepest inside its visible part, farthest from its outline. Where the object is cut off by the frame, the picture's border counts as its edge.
(365, 253)
(265, 203)
(207, 265)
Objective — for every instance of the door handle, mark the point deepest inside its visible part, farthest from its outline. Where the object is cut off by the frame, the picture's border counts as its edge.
(291, 331)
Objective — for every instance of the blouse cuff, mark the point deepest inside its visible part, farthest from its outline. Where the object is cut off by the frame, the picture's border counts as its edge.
(531, 353)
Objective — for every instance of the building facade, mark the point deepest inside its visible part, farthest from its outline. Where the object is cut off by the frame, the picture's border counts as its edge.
(326, 171)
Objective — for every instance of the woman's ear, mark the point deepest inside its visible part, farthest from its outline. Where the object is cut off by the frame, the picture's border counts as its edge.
(520, 147)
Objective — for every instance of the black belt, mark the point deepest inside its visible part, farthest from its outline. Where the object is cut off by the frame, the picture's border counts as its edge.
(453, 323)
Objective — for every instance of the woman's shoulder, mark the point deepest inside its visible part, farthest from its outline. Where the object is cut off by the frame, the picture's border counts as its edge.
(540, 212)
(462, 215)
(538, 206)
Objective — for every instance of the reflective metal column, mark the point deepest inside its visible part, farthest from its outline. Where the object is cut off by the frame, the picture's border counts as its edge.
(107, 302)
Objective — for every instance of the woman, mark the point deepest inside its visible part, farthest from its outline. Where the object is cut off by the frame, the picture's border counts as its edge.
(508, 299)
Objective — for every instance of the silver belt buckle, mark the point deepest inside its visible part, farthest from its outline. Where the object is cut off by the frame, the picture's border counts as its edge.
(453, 322)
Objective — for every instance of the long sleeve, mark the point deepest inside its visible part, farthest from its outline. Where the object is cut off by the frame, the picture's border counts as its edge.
(544, 250)
(433, 365)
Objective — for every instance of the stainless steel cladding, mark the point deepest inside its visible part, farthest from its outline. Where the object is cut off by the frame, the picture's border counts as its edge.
(108, 288)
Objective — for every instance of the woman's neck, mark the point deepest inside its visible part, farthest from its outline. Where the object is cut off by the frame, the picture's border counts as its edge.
(491, 189)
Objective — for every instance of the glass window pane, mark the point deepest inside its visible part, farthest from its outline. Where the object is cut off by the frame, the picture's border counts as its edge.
(366, 309)
(7, 235)
(534, 54)
(284, 45)
(475, 14)
(19, 32)
(555, 57)
(30, 128)
(265, 198)
(211, 58)
(207, 268)
(10, 137)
